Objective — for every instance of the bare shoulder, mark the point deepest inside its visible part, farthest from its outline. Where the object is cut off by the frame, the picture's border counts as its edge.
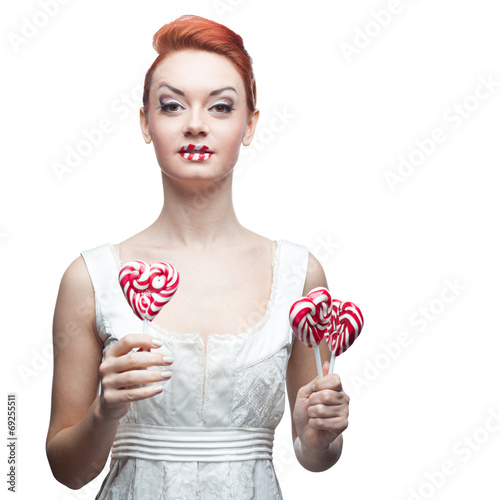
(77, 349)
(255, 245)
(315, 276)
(254, 239)
(76, 278)
(76, 295)
(77, 273)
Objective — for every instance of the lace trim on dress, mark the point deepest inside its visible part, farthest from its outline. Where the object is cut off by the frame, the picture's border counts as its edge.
(116, 255)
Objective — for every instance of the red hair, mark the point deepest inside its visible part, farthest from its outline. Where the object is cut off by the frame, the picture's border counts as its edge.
(194, 32)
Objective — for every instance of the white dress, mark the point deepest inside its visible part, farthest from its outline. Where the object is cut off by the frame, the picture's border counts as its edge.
(209, 434)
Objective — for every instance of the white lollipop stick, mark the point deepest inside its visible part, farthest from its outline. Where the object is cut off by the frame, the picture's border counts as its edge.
(145, 326)
(332, 362)
(318, 361)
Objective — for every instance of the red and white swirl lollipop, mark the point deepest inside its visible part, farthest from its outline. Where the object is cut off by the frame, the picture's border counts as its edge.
(310, 319)
(148, 288)
(346, 328)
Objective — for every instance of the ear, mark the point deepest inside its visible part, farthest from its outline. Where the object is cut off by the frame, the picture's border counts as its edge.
(146, 133)
(250, 130)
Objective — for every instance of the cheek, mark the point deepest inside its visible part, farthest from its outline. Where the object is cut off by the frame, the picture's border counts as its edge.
(234, 137)
(161, 136)
(233, 146)
(235, 141)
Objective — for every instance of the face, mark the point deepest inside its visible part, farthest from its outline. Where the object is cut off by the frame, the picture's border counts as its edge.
(198, 116)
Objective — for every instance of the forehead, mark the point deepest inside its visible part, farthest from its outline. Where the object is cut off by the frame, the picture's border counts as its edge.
(197, 70)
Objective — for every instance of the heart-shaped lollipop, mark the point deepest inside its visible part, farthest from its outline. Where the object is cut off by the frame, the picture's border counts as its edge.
(148, 288)
(349, 324)
(310, 319)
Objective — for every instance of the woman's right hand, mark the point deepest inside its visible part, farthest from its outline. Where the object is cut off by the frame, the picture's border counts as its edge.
(124, 373)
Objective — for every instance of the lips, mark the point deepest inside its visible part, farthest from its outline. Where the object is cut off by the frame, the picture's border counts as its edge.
(195, 152)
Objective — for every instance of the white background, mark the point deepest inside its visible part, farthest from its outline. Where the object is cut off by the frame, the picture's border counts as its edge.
(424, 389)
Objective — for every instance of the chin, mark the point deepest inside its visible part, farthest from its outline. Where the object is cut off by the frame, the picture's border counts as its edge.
(196, 175)
(192, 170)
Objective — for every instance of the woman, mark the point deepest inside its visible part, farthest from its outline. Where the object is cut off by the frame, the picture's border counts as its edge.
(189, 410)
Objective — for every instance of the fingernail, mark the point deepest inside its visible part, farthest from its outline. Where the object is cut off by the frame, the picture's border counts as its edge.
(157, 342)
(166, 374)
(158, 388)
(314, 387)
(167, 360)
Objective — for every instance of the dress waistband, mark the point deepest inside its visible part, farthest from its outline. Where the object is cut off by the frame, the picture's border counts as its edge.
(193, 444)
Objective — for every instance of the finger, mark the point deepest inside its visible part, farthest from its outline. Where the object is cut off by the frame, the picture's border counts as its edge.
(135, 360)
(331, 381)
(326, 367)
(327, 411)
(334, 425)
(308, 389)
(132, 341)
(132, 394)
(138, 377)
(328, 397)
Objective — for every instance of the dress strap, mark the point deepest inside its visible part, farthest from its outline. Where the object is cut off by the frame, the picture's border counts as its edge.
(101, 264)
(113, 314)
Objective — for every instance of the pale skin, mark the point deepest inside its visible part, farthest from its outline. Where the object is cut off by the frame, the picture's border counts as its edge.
(198, 231)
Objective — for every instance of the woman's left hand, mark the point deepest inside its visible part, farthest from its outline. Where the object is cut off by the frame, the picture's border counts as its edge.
(321, 411)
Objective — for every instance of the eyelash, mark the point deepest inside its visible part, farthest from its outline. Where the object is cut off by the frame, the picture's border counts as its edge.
(165, 107)
(228, 107)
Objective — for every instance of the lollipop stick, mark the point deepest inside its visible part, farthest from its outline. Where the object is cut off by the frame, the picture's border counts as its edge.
(318, 361)
(332, 362)
(145, 326)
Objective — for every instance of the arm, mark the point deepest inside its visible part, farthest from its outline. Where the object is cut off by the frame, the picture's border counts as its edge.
(83, 425)
(319, 406)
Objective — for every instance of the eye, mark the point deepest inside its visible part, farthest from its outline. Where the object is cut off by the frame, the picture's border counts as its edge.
(221, 109)
(170, 106)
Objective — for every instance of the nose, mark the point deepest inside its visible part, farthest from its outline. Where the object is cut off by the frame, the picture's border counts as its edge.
(195, 124)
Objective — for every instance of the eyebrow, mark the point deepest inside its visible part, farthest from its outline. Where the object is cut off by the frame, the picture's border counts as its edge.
(180, 92)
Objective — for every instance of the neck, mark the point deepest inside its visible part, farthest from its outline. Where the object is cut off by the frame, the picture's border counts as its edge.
(197, 215)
